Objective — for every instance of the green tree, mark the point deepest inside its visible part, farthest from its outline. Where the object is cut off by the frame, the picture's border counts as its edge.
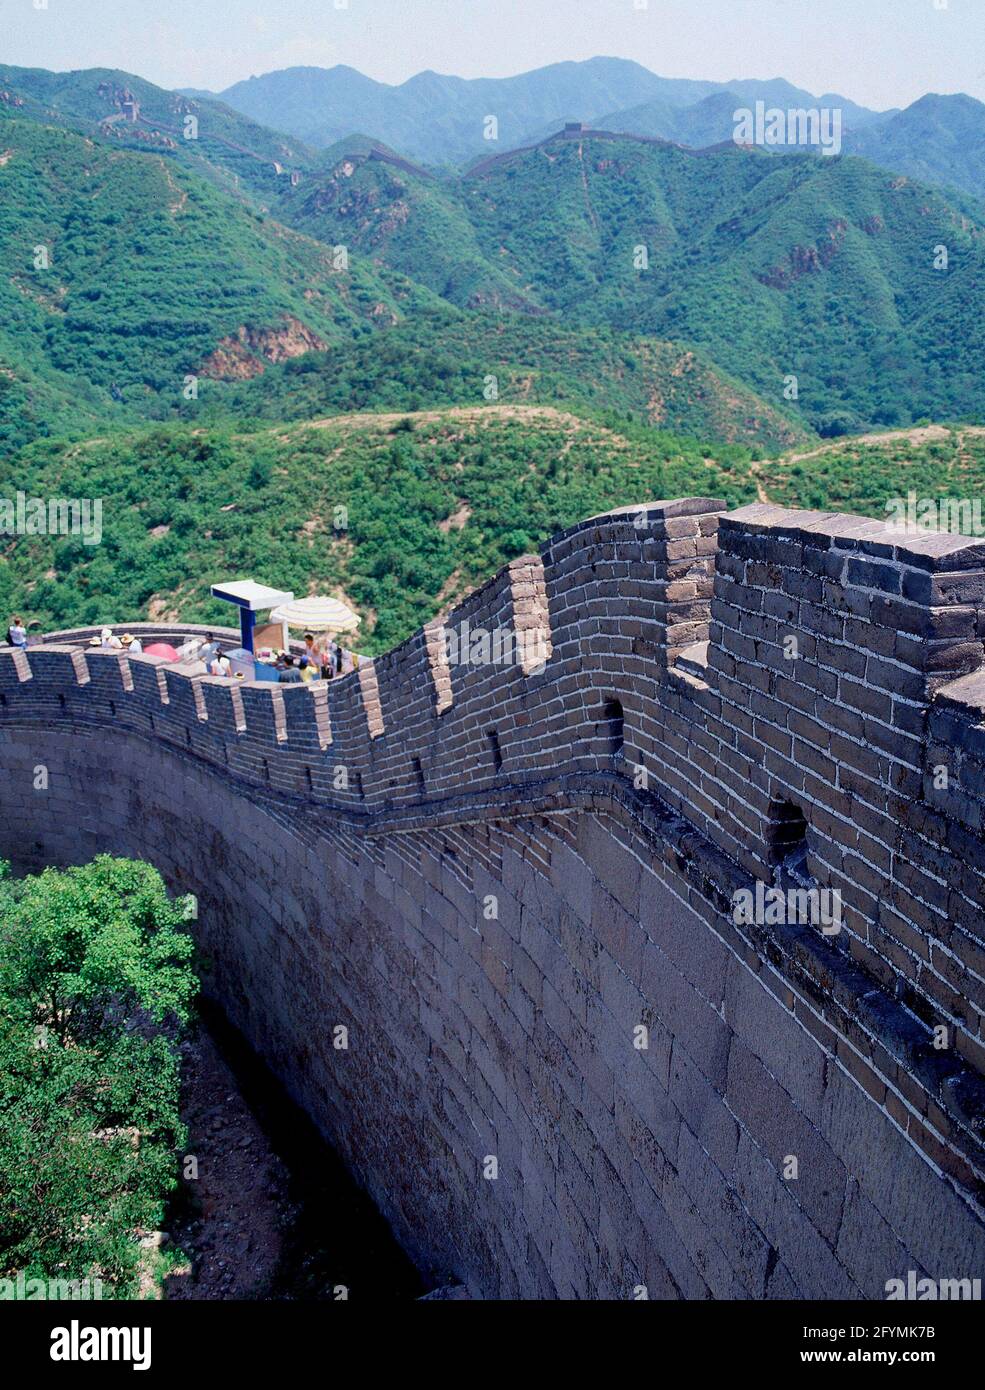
(96, 984)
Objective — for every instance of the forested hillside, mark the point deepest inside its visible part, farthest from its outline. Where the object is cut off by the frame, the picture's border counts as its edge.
(125, 273)
(435, 503)
(862, 475)
(123, 110)
(939, 139)
(446, 357)
(778, 267)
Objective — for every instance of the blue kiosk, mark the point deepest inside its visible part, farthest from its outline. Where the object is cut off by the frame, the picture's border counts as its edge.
(250, 599)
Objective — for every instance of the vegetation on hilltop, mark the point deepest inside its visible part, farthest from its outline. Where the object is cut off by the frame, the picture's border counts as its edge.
(446, 358)
(435, 504)
(860, 475)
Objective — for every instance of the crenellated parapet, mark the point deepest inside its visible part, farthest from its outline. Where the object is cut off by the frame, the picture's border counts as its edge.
(752, 682)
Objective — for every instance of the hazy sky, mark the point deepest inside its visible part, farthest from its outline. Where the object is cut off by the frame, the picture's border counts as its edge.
(878, 52)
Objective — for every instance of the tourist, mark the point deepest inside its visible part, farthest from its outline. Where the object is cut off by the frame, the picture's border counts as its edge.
(17, 633)
(307, 668)
(310, 650)
(290, 675)
(132, 645)
(209, 651)
(109, 641)
(220, 665)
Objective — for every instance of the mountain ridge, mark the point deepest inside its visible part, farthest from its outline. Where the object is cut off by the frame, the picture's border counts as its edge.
(772, 265)
(439, 118)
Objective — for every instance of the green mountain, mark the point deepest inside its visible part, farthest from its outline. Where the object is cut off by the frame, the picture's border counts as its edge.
(448, 358)
(939, 139)
(613, 273)
(774, 266)
(403, 217)
(126, 273)
(120, 109)
(155, 275)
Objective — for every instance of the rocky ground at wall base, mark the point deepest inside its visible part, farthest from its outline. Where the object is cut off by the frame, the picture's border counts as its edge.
(270, 1212)
(233, 1216)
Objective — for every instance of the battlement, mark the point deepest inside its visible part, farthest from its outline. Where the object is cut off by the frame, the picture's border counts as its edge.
(788, 606)
(758, 681)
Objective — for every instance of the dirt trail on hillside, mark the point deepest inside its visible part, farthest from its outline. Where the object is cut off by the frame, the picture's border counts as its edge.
(463, 414)
(921, 434)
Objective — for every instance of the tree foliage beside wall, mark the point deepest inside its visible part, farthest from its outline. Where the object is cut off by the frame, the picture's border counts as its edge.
(96, 985)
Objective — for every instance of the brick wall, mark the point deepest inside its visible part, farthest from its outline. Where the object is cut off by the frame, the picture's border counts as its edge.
(495, 873)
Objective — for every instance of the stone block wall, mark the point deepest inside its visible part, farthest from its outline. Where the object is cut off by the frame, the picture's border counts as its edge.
(504, 877)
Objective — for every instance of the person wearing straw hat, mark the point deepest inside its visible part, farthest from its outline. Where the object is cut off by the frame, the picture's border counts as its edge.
(109, 641)
(132, 645)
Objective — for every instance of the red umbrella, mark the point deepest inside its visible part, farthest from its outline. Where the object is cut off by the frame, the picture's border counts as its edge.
(162, 649)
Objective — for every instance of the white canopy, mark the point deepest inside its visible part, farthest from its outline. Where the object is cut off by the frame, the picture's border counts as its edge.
(247, 594)
(317, 614)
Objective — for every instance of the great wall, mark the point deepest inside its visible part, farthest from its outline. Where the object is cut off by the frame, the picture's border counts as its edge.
(527, 872)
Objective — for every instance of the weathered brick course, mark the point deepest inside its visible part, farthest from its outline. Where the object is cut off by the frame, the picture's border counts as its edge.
(518, 899)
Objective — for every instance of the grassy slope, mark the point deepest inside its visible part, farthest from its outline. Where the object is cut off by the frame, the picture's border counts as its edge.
(431, 511)
(861, 475)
